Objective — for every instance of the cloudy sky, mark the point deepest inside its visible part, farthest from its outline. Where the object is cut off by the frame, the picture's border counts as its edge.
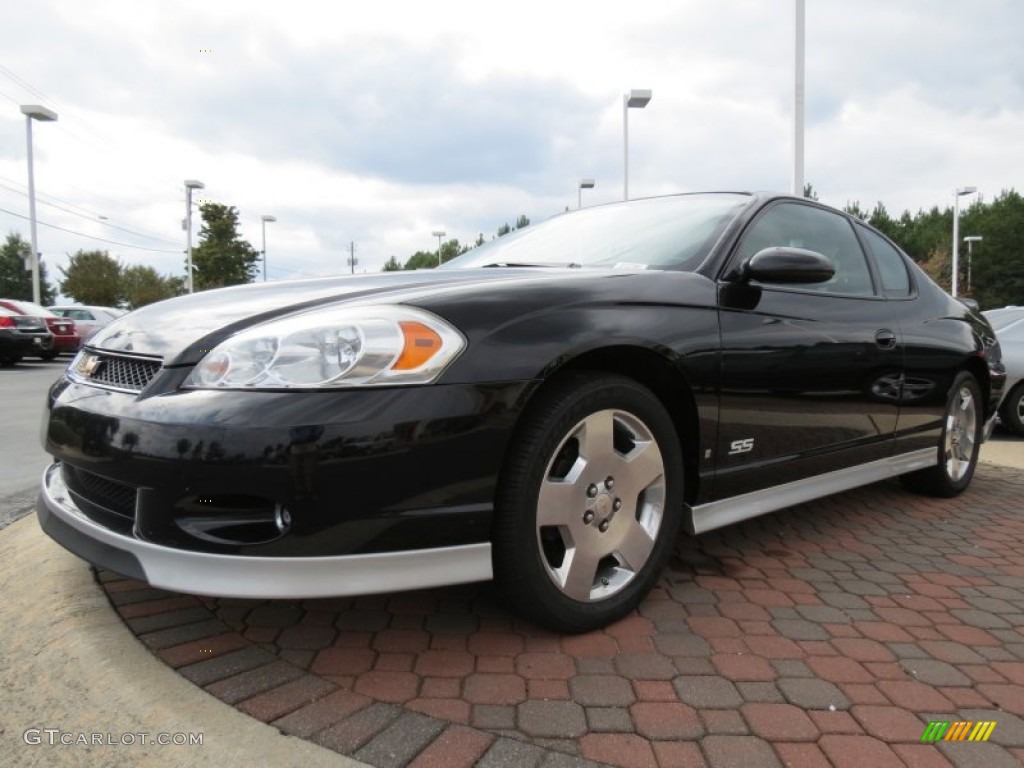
(379, 122)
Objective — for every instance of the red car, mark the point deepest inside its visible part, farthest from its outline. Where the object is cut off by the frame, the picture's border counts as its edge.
(66, 337)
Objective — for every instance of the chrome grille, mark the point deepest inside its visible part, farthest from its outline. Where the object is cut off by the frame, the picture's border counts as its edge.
(127, 373)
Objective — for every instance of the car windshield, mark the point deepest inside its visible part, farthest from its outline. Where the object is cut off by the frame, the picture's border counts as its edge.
(674, 232)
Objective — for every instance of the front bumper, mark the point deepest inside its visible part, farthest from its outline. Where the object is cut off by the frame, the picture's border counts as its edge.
(203, 573)
(284, 474)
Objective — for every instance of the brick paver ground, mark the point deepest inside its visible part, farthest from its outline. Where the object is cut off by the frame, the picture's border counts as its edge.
(825, 634)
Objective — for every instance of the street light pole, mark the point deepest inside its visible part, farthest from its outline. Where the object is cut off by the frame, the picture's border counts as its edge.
(584, 184)
(635, 99)
(798, 104)
(439, 233)
(190, 184)
(263, 221)
(34, 112)
(970, 240)
(960, 192)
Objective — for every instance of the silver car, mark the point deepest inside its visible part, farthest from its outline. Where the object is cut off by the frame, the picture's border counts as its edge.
(1008, 323)
(88, 319)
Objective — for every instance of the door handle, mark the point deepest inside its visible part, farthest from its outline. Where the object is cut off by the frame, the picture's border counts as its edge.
(885, 339)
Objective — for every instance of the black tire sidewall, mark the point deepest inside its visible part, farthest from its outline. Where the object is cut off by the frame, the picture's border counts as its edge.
(518, 565)
(1010, 412)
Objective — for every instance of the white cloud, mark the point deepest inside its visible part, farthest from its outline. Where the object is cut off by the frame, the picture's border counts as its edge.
(379, 122)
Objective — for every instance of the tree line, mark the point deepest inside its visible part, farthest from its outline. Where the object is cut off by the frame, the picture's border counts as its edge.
(995, 267)
(95, 277)
(449, 250)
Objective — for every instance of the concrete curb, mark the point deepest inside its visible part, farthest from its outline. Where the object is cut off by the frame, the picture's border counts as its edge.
(68, 662)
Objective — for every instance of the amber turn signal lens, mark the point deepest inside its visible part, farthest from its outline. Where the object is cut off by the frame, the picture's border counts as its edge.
(421, 344)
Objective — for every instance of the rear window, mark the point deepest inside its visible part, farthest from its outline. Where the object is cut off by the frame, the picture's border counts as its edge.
(891, 266)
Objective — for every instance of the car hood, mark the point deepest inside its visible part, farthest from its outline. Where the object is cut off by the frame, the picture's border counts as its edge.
(181, 330)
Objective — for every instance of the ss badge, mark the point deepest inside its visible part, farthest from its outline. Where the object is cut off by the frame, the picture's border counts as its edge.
(745, 445)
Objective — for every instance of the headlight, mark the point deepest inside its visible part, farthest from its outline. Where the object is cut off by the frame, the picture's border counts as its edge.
(350, 347)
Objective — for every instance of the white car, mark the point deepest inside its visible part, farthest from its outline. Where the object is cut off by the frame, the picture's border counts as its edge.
(88, 319)
(1008, 324)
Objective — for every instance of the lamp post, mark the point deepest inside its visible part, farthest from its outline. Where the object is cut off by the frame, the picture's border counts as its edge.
(43, 115)
(970, 240)
(584, 184)
(439, 233)
(635, 99)
(263, 221)
(960, 192)
(190, 184)
(798, 103)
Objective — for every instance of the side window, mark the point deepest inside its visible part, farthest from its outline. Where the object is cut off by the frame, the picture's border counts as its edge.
(891, 267)
(814, 229)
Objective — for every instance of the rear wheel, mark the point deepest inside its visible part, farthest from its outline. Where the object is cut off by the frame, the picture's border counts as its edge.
(48, 355)
(589, 503)
(958, 445)
(1011, 413)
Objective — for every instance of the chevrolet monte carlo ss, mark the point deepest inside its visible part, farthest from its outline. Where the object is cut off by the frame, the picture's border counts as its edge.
(551, 409)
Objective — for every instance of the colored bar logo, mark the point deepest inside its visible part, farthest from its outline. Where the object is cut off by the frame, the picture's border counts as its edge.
(961, 730)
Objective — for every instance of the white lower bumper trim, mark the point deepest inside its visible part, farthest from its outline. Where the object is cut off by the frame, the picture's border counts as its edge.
(201, 573)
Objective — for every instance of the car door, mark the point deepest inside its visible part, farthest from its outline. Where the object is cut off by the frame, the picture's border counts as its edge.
(810, 373)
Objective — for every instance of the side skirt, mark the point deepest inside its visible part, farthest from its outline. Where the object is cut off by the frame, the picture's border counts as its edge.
(716, 514)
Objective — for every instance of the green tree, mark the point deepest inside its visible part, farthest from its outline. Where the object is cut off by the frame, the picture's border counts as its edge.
(523, 221)
(810, 192)
(392, 265)
(222, 257)
(854, 209)
(15, 278)
(504, 229)
(997, 262)
(92, 277)
(141, 285)
(422, 260)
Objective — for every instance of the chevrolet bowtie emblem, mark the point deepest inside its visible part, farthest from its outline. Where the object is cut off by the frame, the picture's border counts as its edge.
(90, 364)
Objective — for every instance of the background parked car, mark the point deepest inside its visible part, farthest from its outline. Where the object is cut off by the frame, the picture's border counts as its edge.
(65, 335)
(21, 335)
(1008, 323)
(88, 319)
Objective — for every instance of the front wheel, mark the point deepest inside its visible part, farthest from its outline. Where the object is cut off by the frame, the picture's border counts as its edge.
(958, 445)
(1011, 414)
(589, 503)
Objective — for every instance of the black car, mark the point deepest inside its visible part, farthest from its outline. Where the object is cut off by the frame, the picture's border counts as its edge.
(549, 409)
(22, 336)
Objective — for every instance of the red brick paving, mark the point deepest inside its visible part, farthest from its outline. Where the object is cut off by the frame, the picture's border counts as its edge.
(732, 609)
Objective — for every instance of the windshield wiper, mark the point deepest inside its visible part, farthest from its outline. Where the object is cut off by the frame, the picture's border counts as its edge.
(570, 265)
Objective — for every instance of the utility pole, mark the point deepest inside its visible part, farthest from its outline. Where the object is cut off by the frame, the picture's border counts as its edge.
(352, 260)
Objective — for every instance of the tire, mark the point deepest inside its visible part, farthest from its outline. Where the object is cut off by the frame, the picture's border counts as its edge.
(958, 446)
(9, 360)
(589, 503)
(1011, 412)
(48, 356)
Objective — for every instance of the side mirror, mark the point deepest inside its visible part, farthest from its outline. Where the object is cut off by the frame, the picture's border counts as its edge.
(969, 303)
(788, 265)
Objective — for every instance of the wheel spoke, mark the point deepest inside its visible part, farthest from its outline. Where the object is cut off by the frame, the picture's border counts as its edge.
(640, 469)
(578, 572)
(635, 547)
(559, 502)
(597, 436)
